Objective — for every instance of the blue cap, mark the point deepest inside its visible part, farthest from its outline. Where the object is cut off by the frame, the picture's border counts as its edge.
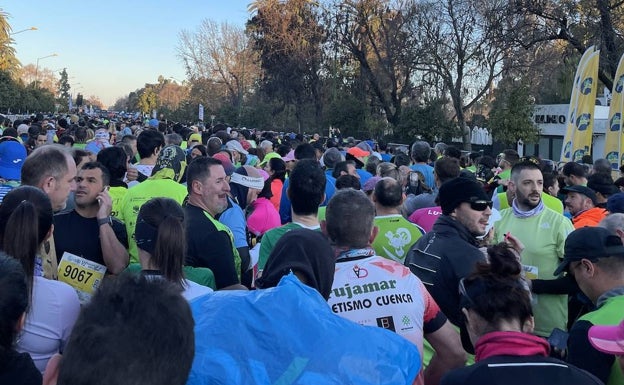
(12, 156)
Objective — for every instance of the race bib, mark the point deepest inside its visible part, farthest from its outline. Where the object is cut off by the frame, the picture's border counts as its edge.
(82, 274)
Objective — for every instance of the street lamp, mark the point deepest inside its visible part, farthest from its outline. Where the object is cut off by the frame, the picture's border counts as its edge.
(23, 30)
(37, 66)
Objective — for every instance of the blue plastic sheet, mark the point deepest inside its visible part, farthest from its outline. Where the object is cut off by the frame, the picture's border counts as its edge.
(289, 335)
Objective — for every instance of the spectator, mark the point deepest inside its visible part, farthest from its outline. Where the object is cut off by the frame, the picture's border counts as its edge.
(143, 329)
(207, 198)
(161, 240)
(581, 203)
(543, 232)
(25, 223)
(53, 170)
(595, 258)
(16, 368)
(497, 306)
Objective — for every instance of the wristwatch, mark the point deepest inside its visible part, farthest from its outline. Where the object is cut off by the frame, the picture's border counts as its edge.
(105, 221)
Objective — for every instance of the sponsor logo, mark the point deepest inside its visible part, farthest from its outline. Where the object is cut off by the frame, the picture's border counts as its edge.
(583, 121)
(615, 122)
(360, 272)
(620, 84)
(613, 157)
(386, 323)
(349, 291)
(586, 86)
(567, 149)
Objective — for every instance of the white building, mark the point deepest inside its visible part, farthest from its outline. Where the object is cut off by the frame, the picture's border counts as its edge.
(552, 120)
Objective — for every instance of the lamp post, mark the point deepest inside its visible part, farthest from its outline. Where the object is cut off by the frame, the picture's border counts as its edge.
(37, 67)
(23, 30)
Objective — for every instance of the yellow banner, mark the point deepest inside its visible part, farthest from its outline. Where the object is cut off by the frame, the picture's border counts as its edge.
(614, 138)
(584, 123)
(566, 149)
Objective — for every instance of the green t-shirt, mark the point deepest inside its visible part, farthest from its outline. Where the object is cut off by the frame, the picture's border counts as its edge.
(117, 193)
(550, 201)
(395, 237)
(609, 314)
(141, 193)
(200, 275)
(321, 213)
(270, 238)
(543, 236)
(505, 175)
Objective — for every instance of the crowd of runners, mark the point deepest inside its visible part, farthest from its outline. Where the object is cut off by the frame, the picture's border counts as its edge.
(152, 252)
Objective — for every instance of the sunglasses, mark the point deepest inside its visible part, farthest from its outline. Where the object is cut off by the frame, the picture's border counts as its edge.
(480, 205)
(464, 294)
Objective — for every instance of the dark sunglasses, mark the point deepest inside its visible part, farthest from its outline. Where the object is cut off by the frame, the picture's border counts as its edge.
(480, 205)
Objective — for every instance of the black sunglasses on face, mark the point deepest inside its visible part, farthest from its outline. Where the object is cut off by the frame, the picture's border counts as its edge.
(480, 205)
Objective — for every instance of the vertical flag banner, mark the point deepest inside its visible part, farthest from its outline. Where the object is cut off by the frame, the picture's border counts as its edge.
(586, 104)
(613, 138)
(201, 112)
(566, 149)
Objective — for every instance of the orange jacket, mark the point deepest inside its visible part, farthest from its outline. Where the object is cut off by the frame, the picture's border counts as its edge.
(589, 217)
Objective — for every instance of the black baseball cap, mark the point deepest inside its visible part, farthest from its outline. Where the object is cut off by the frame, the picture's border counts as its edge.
(591, 194)
(590, 243)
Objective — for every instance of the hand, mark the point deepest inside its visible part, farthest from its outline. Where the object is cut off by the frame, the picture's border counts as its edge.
(132, 174)
(515, 243)
(106, 204)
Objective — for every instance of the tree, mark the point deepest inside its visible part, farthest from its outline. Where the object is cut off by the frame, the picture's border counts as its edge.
(63, 85)
(510, 117)
(8, 60)
(375, 34)
(288, 37)
(461, 42)
(579, 24)
(219, 54)
(94, 102)
(147, 99)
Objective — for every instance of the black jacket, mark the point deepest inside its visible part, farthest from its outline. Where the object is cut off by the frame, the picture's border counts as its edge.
(520, 370)
(441, 258)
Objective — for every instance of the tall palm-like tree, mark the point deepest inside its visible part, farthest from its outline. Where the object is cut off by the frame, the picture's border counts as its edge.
(8, 60)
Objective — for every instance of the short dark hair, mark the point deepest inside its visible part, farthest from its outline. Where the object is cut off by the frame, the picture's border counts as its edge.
(306, 187)
(453, 152)
(342, 167)
(521, 166)
(44, 162)
(602, 166)
(134, 331)
(349, 218)
(549, 180)
(573, 168)
(446, 168)
(348, 181)
(199, 169)
(148, 141)
(420, 151)
(388, 192)
(101, 167)
(305, 151)
(115, 160)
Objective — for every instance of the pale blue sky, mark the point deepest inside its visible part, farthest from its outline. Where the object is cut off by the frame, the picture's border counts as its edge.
(112, 47)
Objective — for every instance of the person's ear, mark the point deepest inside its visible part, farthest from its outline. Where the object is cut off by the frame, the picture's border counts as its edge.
(50, 376)
(323, 224)
(48, 185)
(196, 186)
(49, 233)
(373, 235)
(529, 325)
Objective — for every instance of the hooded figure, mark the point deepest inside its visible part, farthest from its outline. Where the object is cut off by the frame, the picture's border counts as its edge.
(308, 254)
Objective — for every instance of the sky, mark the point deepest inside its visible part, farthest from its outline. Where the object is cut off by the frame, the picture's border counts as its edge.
(111, 48)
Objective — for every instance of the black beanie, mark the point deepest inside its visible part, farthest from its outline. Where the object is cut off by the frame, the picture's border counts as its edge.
(458, 190)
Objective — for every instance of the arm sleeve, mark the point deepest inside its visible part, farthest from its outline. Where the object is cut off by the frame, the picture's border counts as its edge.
(219, 257)
(120, 232)
(563, 285)
(583, 355)
(434, 319)
(284, 209)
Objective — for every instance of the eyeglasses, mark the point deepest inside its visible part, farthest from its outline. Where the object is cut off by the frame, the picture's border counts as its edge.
(480, 205)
